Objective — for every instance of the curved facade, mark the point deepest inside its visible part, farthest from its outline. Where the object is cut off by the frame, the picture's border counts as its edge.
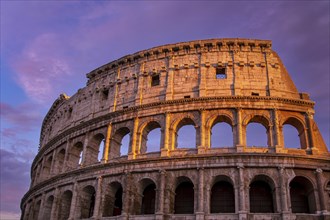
(84, 170)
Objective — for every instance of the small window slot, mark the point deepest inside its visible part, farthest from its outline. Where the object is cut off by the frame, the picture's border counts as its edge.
(155, 81)
(220, 73)
(125, 107)
(187, 97)
(255, 94)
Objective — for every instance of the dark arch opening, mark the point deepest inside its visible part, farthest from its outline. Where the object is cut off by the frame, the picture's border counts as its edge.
(221, 135)
(113, 202)
(48, 207)
(184, 198)
(222, 198)
(302, 196)
(65, 204)
(148, 200)
(87, 202)
(261, 198)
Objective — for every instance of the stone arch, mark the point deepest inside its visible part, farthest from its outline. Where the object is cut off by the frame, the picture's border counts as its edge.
(93, 148)
(222, 195)
(113, 199)
(47, 208)
(47, 167)
(116, 141)
(302, 195)
(184, 196)
(76, 154)
(36, 209)
(59, 161)
(147, 200)
(87, 202)
(300, 126)
(262, 119)
(65, 204)
(144, 130)
(217, 119)
(178, 124)
(262, 195)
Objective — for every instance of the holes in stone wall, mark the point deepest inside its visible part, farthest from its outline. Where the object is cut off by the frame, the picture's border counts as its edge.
(220, 73)
(221, 135)
(302, 195)
(87, 202)
(186, 137)
(261, 199)
(153, 140)
(113, 201)
(125, 145)
(222, 198)
(256, 135)
(184, 198)
(291, 137)
(65, 204)
(149, 199)
(155, 80)
(47, 208)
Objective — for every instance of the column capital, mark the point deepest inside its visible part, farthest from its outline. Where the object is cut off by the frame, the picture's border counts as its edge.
(319, 170)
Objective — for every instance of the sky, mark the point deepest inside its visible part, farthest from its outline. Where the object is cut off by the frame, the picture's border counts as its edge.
(47, 47)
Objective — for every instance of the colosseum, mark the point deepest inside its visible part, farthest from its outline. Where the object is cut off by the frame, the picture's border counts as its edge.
(84, 170)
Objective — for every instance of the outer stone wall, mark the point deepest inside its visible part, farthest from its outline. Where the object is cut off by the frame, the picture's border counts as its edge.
(80, 173)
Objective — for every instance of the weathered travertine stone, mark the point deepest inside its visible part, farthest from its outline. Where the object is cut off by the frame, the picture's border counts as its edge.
(199, 83)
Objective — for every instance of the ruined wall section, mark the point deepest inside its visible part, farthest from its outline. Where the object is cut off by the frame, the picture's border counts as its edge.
(183, 70)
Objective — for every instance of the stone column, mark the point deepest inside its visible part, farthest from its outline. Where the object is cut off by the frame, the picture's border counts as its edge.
(51, 169)
(283, 193)
(106, 151)
(320, 190)
(200, 208)
(201, 145)
(98, 197)
(74, 201)
(207, 199)
(126, 195)
(239, 132)
(132, 152)
(116, 91)
(170, 78)
(84, 156)
(309, 119)
(276, 129)
(161, 189)
(66, 156)
(242, 198)
(166, 136)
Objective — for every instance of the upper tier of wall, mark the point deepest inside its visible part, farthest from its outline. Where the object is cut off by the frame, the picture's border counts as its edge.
(171, 72)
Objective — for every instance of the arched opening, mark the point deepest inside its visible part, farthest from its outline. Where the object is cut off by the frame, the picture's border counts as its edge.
(101, 150)
(256, 135)
(291, 137)
(65, 204)
(87, 202)
(186, 134)
(113, 201)
(294, 134)
(302, 195)
(221, 135)
(261, 198)
(120, 143)
(184, 197)
(36, 209)
(94, 150)
(47, 167)
(150, 138)
(222, 198)
(59, 162)
(48, 207)
(76, 155)
(148, 191)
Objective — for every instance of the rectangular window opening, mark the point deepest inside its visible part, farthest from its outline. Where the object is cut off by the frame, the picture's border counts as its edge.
(221, 73)
(125, 107)
(155, 80)
(255, 94)
(105, 93)
(186, 96)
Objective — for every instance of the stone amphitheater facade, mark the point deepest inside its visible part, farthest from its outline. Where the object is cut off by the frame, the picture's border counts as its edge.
(200, 83)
